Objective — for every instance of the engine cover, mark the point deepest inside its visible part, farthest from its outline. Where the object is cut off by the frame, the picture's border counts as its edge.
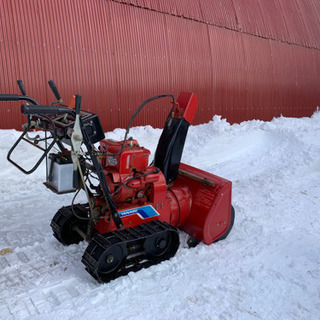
(139, 191)
(197, 202)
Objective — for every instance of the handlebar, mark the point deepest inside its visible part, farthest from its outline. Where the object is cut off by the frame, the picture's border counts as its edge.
(16, 97)
(45, 109)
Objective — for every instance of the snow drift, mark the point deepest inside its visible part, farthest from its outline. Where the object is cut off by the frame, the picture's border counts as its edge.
(267, 268)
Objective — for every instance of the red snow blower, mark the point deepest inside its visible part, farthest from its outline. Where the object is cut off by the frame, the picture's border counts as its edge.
(133, 208)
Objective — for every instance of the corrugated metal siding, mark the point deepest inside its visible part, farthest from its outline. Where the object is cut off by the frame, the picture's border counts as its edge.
(275, 26)
(296, 28)
(259, 77)
(304, 80)
(190, 64)
(142, 62)
(250, 17)
(243, 59)
(190, 10)
(310, 17)
(220, 13)
(284, 78)
(8, 63)
(228, 71)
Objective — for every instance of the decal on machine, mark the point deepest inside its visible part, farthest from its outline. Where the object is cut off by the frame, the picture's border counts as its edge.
(143, 212)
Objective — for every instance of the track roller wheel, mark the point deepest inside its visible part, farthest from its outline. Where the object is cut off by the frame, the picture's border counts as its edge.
(110, 262)
(161, 246)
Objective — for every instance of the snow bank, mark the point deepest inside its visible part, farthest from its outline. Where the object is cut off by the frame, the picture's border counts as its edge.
(268, 267)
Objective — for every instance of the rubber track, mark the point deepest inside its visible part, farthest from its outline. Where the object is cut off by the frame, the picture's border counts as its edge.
(138, 246)
(61, 223)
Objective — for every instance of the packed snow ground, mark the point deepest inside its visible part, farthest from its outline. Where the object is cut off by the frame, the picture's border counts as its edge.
(268, 267)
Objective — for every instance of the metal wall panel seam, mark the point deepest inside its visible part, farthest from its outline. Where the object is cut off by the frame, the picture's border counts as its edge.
(127, 54)
(304, 23)
(311, 21)
(154, 69)
(114, 120)
(210, 66)
(298, 40)
(219, 13)
(278, 28)
(293, 22)
(106, 63)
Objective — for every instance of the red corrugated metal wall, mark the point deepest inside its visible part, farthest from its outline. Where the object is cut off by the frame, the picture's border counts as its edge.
(244, 59)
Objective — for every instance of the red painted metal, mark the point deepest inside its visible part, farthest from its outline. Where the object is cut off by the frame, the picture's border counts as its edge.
(187, 104)
(275, 26)
(219, 13)
(230, 73)
(210, 212)
(133, 156)
(197, 201)
(297, 31)
(179, 8)
(249, 16)
(310, 16)
(190, 62)
(243, 59)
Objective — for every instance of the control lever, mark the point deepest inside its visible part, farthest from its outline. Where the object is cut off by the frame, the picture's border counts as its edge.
(21, 87)
(55, 91)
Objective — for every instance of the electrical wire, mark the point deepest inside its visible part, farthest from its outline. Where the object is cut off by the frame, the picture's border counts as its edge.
(115, 154)
(132, 118)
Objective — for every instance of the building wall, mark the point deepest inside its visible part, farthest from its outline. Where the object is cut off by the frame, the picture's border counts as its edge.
(252, 59)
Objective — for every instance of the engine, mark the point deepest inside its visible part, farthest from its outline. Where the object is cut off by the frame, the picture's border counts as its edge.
(139, 190)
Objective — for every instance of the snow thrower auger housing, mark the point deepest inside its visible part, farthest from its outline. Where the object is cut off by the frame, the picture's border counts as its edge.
(134, 208)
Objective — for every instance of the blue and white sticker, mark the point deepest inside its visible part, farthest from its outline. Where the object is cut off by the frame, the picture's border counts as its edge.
(143, 212)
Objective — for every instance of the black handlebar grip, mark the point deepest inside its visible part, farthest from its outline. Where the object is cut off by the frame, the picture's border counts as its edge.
(21, 87)
(43, 109)
(54, 89)
(77, 106)
(9, 97)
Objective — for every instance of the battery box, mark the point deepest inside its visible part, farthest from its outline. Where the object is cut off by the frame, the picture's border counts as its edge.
(61, 178)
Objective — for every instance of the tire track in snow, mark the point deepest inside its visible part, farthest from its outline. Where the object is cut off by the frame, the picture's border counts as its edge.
(31, 266)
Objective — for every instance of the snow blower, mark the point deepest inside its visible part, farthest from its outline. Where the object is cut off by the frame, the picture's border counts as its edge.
(134, 209)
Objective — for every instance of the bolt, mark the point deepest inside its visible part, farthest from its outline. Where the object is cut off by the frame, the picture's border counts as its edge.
(77, 137)
(161, 243)
(110, 259)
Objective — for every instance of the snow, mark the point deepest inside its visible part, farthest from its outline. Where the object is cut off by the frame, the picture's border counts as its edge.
(267, 268)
